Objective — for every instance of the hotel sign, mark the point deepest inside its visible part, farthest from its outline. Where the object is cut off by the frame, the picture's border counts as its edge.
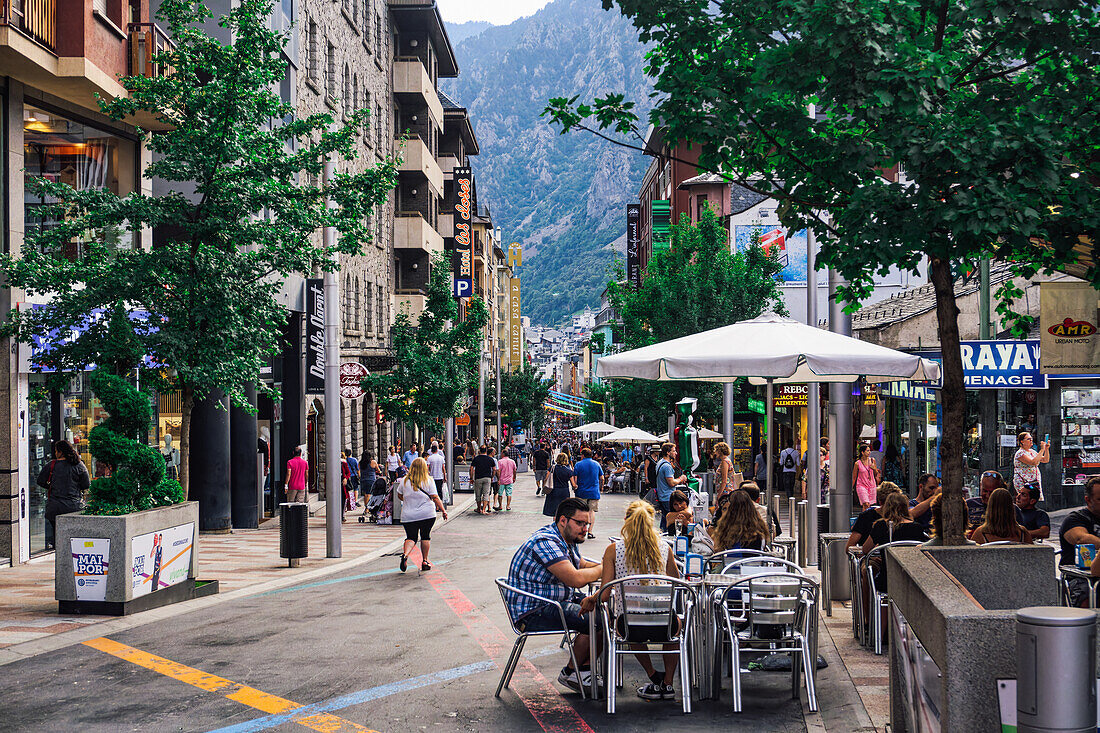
(464, 256)
(515, 325)
(633, 261)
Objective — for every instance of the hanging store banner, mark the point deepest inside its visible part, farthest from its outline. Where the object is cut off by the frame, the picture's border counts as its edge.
(633, 261)
(1002, 365)
(464, 254)
(315, 336)
(906, 390)
(1069, 330)
(515, 325)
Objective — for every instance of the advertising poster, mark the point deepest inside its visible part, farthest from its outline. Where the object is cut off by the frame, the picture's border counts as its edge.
(90, 556)
(1068, 332)
(161, 558)
(791, 249)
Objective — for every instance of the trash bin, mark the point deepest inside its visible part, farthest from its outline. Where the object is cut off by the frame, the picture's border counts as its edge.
(822, 519)
(294, 531)
(1055, 669)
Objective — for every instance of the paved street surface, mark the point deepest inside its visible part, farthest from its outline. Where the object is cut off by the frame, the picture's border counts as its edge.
(369, 648)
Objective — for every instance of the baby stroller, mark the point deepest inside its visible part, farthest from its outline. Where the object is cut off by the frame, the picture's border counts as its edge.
(376, 503)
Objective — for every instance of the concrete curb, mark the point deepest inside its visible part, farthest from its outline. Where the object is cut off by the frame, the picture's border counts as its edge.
(844, 713)
(29, 649)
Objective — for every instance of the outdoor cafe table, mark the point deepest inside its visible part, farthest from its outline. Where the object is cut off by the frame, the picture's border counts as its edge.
(1069, 572)
(826, 540)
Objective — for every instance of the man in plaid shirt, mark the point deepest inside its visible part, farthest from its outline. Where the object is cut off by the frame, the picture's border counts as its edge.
(549, 564)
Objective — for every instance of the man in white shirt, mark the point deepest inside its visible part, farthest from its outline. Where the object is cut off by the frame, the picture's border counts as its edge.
(789, 461)
(876, 453)
(437, 467)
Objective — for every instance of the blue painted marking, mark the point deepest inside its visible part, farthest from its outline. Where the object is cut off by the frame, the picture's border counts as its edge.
(342, 579)
(373, 693)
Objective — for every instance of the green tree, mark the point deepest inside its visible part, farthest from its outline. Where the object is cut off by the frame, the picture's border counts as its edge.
(522, 395)
(202, 302)
(597, 392)
(989, 108)
(436, 359)
(695, 285)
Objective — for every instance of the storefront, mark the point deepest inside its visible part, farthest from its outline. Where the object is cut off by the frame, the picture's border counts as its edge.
(911, 422)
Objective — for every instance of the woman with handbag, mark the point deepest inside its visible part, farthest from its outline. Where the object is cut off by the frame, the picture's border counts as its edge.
(65, 480)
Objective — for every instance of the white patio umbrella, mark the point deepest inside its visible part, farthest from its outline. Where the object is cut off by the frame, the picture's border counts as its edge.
(701, 433)
(629, 435)
(595, 427)
(768, 349)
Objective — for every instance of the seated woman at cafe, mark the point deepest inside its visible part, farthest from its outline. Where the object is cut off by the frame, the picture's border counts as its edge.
(895, 525)
(641, 551)
(1000, 521)
(681, 511)
(740, 527)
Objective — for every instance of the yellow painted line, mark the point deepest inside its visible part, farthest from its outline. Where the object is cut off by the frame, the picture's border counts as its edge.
(243, 694)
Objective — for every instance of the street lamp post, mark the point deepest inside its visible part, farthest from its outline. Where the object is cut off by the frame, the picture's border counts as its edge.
(334, 499)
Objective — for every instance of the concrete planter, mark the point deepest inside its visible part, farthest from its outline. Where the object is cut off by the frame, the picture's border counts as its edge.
(124, 564)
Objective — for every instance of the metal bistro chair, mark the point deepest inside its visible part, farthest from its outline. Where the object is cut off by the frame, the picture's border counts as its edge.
(643, 610)
(878, 598)
(775, 614)
(717, 562)
(855, 588)
(521, 635)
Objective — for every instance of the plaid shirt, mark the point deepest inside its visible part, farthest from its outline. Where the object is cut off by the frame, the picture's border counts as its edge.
(513, 452)
(529, 572)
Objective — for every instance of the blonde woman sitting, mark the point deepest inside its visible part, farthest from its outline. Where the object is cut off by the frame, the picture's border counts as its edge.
(641, 551)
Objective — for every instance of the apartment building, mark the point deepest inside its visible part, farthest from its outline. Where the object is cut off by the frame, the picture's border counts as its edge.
(55, 55)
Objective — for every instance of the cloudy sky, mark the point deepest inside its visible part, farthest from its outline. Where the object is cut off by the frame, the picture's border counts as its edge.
(500, 12)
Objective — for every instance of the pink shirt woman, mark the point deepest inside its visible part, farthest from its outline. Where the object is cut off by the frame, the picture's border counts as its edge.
(863, 476)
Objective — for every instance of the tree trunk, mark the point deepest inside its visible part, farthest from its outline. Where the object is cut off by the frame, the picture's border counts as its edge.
(187, 405)
(953, 399)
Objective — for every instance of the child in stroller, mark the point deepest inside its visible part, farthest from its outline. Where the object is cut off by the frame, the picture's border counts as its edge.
(376, 501)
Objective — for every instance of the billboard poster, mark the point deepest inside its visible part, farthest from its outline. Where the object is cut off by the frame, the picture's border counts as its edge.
(515, 325)
(315, 336)
(161, 559)
(464, 256)
(90, 566)
(790, 247)
(633, 266)
(1069, 331)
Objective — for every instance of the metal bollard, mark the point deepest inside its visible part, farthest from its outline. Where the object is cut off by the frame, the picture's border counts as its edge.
(796, 527)
(1055, 670)
(775, 509)
(803, 534)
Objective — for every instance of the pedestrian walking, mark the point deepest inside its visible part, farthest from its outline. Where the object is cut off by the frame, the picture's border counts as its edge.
(393, 462)
(370, 470)
(411, 455)
(506, 472)
(561, 480)
(542, 468)
(863, 477)
(482, 470)
(65, 480)
(296, 471)
(588, 475)
(437, 467)
(789, 460)
(353, 468)
(419, 503)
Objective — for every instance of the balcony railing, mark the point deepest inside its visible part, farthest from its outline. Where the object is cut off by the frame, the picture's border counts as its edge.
(147, 41)
(36, 19)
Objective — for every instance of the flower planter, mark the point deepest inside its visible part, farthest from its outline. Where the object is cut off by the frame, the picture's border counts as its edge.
(124, 564)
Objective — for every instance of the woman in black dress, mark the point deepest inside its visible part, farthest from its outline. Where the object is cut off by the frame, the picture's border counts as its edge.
(563, 479)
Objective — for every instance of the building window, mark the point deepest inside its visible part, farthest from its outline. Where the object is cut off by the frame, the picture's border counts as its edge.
(347, 102)
(378, 33)
(378, 127)
(369, 325)
(700, 206)
(330, 71)
(313, 44)
(379, 295)
(349, 324)
(367, 21)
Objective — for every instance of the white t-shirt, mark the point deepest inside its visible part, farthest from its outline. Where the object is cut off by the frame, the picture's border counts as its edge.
(392, 462)
(436, 462)
(794, 460)
(416, 505)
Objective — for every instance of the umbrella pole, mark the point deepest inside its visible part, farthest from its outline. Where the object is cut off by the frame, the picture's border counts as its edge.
(771, 442)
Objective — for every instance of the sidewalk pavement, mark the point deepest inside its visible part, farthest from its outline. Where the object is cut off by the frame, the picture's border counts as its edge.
(245, 561)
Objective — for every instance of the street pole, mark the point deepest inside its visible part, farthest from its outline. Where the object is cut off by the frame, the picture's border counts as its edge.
(449, 447)
(987, 398)
(500, 434)
(840, 450)
(813, 412)
(771, 445)
(481, 400)
(727, 413)
(334, 499)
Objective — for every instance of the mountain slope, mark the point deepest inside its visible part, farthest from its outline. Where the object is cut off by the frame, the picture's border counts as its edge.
(459, 32)
(562, 197)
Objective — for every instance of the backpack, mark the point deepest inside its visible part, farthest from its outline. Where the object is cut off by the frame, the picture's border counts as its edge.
(788, 461)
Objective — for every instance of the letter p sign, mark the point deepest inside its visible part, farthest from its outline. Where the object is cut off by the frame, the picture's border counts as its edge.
(463, 287)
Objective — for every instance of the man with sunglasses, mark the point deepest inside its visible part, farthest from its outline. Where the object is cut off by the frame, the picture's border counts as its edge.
(975, 506)
(549, 564)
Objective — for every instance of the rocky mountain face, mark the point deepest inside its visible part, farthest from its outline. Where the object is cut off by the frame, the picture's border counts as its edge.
(459, 32)
(562, 197)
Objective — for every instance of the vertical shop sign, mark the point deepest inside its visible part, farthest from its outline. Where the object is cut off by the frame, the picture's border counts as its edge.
(464, 258)
(315, 336)
(1068, 330)
(633, 266)
(515, 325)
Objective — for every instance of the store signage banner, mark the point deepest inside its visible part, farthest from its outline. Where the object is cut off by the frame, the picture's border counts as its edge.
(633, 260)
(161, 559)
(1002, 365)
(916, 391)
(315, 336)
(464, 256)
(1069, 330)
(90, 566)
(792, 395)
(515, 325)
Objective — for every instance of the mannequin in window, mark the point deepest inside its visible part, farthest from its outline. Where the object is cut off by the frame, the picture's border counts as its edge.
(171, 457)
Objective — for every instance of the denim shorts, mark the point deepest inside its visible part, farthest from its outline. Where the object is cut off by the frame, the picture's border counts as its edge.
(547, 618)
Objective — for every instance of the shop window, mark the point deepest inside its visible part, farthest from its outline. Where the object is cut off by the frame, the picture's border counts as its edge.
(65, 151)
(1080, 435)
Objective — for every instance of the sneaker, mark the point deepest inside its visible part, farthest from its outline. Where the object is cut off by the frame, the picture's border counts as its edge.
(591, 536)
(404, 563)
(667, 692)
(652, 691)
(570, 679)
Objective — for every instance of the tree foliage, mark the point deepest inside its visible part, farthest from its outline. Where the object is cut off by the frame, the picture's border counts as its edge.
(436, 359)
(990, 108)
(522, 394)
(695, 285)
(238, 216)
